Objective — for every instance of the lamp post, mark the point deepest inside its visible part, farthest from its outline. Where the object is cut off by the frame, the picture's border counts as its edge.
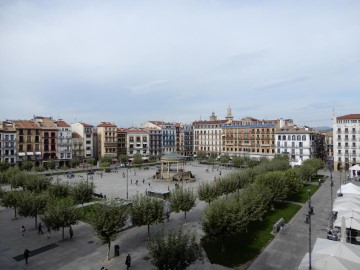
(127, 182)
(331, 198)
(309, 215)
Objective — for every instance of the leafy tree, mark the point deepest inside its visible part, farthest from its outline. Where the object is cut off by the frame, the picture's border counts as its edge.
(182, 200)
(14, 177)
(236, 161)
(107, 159)
(51, 164)
(124, 159)
(218, 220)
(276, 182)
(26, 165)
(224, 159)
(40, 169)
(251, 163)
(4, 165)
(146, 210)
(33, 204)
(75, 162)
(82, 192)
(59, 190)
(36, 183)
(293, 180)
(105, 164)
(137, 159)
(200, 155)
(208, 192)
(175, 250)
(60, 214)
(92, 161)
(227, 185)
(107, 221)
(152, 158)
(11, 199)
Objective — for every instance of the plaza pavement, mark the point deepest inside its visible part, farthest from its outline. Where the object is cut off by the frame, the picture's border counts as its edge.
(84, 251)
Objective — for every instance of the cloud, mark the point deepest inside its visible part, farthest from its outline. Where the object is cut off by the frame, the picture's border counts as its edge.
(148, 87)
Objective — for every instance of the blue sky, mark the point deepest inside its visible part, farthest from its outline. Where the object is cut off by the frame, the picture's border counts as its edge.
(128, 62)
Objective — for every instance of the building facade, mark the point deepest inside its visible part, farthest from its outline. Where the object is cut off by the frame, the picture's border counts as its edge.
(64, 142)
(121, 142)
(137, 143)
(107, 140)
(155, 136)
(85, 131)
(49, 138)
(8, 142)
(346, 139)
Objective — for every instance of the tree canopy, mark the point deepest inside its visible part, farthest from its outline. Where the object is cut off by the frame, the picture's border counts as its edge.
(182, 199)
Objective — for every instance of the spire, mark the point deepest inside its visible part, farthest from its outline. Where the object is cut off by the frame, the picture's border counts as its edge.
(229, 116)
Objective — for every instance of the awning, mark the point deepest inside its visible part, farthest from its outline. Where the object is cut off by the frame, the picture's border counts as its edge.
(21, 154)
(38, 153)
(30, 153)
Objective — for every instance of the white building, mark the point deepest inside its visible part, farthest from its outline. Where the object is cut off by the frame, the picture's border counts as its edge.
(64, 145)
(346, 140)
(7, 142)
(297, 142)
(86, 133)
(137, 141)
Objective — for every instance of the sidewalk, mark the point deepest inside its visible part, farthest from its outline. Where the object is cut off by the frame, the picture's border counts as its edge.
(291, 244)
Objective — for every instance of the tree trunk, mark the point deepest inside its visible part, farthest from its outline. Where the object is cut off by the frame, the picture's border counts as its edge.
(148, 230)
(185, 216)
(15, 213)
(63, 237)
(222, 244)
(108, 252)
(272, 205)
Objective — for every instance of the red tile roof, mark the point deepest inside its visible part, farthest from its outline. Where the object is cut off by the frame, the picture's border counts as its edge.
(205, 122)
(61, 123)
(106, 124)
(136, 130)
(86, 125)
(121, 130)
(76, 135)
(349, 116)
(25, 124)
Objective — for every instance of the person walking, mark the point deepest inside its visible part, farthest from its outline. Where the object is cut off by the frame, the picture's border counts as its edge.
(71, 232)
(23, 230)
(48, 232)
(26, 255)
(128, 261)
(40, 229)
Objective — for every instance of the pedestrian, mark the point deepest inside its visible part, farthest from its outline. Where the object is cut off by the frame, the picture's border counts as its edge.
(167, 216)
(26, 255)
(143, 181)
(71, 232)
(128, 261)
(40, 229)
(149, 184)
(23, 230)
(131, 181)
(136, 182)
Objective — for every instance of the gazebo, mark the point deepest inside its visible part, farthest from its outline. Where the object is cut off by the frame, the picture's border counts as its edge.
(169, 160)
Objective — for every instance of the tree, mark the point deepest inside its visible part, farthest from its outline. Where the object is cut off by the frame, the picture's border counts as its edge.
(137, 159)
(51, 164)
(82, 191)
(208, 192)
(107, 221)
(182, 200)
(60, 214)
(175, 250)
(59, 190)
(200, 155)
(36, 183)
(146, 210)
(26, 165)
(227, 185)
(124, 159)
(74, 162)
(33, 204)
(276, 182)
(236, 161)
(293, 180)
(4, 165)
(217, 220)
(11, 199)
(224, 159)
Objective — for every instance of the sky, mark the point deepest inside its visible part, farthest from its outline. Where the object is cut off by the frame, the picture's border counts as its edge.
(132, 61)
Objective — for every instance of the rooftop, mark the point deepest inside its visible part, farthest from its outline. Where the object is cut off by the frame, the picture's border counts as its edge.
(349, 116)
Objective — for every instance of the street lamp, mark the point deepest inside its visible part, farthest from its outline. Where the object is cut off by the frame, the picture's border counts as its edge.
(331, 197)
(127, 182)
(310, 211)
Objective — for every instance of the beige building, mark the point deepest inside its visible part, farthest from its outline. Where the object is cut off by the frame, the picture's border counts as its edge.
(107, 139)
(137, 141)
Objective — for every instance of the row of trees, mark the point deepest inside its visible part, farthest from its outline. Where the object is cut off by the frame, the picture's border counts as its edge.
(261, 186)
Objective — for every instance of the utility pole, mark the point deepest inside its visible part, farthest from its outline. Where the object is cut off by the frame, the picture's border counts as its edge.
(127, 182)
(331, 198)
(310, 212)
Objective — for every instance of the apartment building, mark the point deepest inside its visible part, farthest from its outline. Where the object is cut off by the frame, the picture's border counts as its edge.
(8, 142)
(78, 150)
(107, 139)
(49, 138)
(121, 142)
(29, 142)
(85, 131)
(208, 134)
(64, 142)
(346, 139)
(137, 143)
(155, 136)
(299, 143)
(168, 136)
(184, 139)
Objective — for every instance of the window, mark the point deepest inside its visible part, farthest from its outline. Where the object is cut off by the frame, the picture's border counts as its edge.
(293, 137)
(303, 137)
